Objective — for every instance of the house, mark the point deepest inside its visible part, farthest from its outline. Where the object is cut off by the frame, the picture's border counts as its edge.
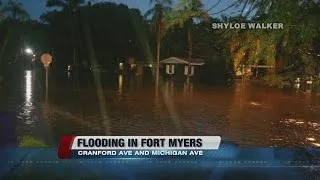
(170, 67)
(179, 67)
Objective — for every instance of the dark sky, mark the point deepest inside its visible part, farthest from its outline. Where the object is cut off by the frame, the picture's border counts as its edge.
(36, 7)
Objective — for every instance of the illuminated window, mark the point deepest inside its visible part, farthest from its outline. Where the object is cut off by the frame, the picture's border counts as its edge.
(170, 69)
(192, 71)
(187, 71)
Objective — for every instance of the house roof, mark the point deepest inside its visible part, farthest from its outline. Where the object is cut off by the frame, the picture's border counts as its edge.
(176, 60)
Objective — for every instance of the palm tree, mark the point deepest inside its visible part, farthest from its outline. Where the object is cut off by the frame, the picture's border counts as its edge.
(13, 11)
(183, 15)
(69, 6)
(1, 11)
(157, 24)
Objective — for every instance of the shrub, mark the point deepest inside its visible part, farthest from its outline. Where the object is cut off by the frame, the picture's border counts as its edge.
(31, 142)
(276, 81)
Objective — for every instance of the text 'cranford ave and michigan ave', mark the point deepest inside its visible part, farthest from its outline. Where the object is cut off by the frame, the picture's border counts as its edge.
(247, 25)
(122, 153)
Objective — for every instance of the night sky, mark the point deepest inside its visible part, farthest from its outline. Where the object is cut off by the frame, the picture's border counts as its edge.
(37, 7)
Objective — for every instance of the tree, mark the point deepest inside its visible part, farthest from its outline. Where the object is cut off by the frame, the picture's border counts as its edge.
(113, 40)
(160, 8)
(70, 7)
(1, 12)
(183, 15)
(13, 11)
(291, 51)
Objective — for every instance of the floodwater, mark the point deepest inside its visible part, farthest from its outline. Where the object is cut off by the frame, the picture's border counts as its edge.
(245, 115)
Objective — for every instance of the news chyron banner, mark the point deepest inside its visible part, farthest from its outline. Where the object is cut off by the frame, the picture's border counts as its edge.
(76, 147)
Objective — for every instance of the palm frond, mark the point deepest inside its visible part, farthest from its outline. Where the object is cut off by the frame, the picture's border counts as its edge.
(15, 10)
(56, 3)
(75, 3)
(167, 2)
(149, 13)
(184, 11)
(163, 2)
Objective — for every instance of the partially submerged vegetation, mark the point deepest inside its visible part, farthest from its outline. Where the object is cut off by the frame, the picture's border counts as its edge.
(277, 81)
(31, 142)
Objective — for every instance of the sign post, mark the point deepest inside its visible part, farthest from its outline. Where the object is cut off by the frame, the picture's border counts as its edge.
(46, 59)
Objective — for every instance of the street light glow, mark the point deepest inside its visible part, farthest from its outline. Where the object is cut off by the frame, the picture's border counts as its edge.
(29, 51)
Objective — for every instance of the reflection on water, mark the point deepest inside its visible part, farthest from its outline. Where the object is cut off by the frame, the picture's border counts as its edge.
(28, 87)
(169, 90)
(168, 98)
(28, 105)
(316, 144)
(308, 98)
(30, 119)
(187, 90)
(120, 84)
(311, 139)
(250, 116)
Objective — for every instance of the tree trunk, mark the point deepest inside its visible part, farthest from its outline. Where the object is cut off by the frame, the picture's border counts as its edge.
(4, 45)
(47, 83)
(73, 41)
(190, 53)
(73, 37)
(158, 56)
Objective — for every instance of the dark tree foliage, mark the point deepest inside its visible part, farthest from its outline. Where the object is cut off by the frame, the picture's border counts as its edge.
(118, 33)
(114, 32)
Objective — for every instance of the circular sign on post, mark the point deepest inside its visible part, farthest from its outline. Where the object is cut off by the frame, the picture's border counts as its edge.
(46, 59)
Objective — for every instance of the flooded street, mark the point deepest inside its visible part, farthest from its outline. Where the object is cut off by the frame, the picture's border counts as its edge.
(247, 116)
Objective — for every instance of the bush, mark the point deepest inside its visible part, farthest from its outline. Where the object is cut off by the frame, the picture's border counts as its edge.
(31, 142)
(276, 81)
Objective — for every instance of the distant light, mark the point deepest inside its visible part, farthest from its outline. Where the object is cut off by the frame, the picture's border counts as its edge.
(150, 65)
(29, 51)
(120, 66)
(34, 55)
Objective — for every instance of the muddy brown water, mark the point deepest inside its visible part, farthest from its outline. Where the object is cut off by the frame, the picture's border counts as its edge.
(248, 116)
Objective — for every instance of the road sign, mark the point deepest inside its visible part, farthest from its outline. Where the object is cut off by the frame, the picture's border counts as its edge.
(46, 59)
